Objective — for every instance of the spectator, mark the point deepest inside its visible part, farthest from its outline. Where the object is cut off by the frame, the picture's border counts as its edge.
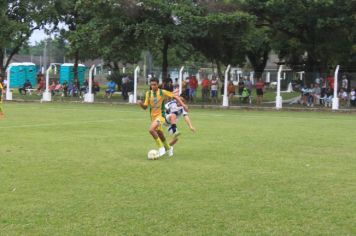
(26, 85)
(125, 87)
(168, 85)
(317, 94)
(304, 95)
(41, 86)
(311, 96)
(330, 80)
(193, 85)
(344, 83)
(58, 88)
(40, 77)
(353, 97)
(205, 84)
(52, 87)
(248, 85)
(241, 86)
(111, 85)
(214, 86)
(73, 90)
(343, 96)
(65, 88)
(187, 88)
(260, 85)
(95, 87)
(167, 81)
(84, 88)
(245, 95)
(328, 97)
(231, 90)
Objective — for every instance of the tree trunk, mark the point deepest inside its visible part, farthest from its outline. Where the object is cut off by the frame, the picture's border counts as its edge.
(218, 67)
(311, 69)
(2, 71)
(165, 59)
(75, 68)
(259, 61)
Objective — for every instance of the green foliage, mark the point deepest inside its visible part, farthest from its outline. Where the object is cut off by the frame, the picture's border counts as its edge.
(318, 34)
(19, 18)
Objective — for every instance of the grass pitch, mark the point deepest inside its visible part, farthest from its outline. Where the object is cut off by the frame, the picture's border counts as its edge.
(78, 169)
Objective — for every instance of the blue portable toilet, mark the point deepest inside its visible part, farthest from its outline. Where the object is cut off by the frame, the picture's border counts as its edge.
(20, 72)
(66, 73)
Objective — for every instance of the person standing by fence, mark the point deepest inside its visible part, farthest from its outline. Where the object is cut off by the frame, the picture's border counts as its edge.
(260, 85)
(205, 84)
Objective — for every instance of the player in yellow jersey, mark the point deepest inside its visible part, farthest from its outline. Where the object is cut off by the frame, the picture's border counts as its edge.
(154, 99)
(1, 95)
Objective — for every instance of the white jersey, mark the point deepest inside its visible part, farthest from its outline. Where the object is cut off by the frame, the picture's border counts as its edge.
(172, 107)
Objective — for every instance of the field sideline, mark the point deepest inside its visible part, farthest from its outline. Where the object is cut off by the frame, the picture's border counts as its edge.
(81, 169)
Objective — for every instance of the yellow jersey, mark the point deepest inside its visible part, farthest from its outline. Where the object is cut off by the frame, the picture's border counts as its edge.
(155, 101)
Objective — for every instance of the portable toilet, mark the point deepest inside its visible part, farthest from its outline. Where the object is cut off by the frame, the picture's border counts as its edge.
(66, 73)
(20, 72)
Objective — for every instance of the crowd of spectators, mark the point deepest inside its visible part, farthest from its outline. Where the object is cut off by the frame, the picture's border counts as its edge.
(321, 92)
(318, 93)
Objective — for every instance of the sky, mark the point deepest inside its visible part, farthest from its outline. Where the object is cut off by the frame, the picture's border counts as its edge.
(37, 36)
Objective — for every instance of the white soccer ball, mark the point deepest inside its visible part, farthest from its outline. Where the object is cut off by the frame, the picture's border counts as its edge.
(153, 154)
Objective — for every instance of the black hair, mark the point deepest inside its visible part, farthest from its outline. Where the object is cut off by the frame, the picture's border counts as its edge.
(154, 80)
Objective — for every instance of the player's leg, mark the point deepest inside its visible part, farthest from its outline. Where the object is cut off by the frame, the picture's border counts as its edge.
(161, 136)
(1, 109)
(2, 114)
(173, 141)
(167, 146)
(153, 131)
(189, 123)
(172, 120)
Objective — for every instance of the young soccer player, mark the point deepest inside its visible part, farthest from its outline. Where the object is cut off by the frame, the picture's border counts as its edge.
(174, 110)
(1, 95)
(154, 99)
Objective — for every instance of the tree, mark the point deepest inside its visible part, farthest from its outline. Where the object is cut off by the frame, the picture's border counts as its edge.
(164, 24)
(258, 48)
(220, 33)
(19, 18)
(318, 34)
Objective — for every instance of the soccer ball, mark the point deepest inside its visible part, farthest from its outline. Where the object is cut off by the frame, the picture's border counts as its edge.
(153, 155)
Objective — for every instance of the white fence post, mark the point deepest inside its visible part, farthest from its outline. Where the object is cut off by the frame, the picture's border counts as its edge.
(134, 99)
(335, 105)
(8, 91)
(47, 96)
(89, 96)
(225, 98)
(278, 97)
(180, 80)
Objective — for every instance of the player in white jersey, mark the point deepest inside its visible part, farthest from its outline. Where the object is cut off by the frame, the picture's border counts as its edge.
(175, 110)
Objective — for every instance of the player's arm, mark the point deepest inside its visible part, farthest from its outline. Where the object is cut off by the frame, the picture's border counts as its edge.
(189, 123)
(181, 103)
(144, 105)
(175, 95)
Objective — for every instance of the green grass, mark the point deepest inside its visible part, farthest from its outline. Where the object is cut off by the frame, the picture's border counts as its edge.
(79, 169)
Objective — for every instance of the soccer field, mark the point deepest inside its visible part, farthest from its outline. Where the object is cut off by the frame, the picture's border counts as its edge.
(79, 169)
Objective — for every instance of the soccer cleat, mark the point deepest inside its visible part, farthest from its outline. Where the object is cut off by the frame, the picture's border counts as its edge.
(161, 151)
(170, 151)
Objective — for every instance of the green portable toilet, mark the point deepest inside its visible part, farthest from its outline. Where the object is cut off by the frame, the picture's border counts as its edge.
(20, 72)
(66, 73)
